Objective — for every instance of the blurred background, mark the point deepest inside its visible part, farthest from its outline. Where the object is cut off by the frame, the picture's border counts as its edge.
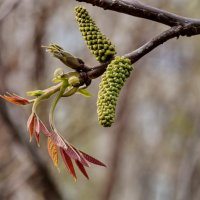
(152, 151)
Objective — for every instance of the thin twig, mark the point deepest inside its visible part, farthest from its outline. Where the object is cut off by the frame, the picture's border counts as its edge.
(155, 42)
(142, 51)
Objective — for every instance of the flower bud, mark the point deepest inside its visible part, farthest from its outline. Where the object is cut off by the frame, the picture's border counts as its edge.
(74, 80)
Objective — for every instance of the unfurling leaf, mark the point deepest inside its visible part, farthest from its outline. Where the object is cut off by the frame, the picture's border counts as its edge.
(58, 140)
(58, 74)
(82, 169)
(70, 60)
(65, 57)
(53, 152)
(83, 161)
(34, 126)
(92, 160)
(44, 129)
(84, 92)
(37, 130)
(68, 162)
(31, 125)
(15, 99)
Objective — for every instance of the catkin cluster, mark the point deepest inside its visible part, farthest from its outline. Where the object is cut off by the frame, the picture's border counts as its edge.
(97, 42)
(112, 81)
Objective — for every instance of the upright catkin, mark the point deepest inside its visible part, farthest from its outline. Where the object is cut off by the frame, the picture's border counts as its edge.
(110, 86)
(97, 42)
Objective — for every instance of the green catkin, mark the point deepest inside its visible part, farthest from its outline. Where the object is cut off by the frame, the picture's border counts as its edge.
(97, 42)
(110, 86)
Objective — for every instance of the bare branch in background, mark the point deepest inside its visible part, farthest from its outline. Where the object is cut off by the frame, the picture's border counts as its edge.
(42, 174)
(138, 120)
(50, 189)
(39, 35)
(7, 7)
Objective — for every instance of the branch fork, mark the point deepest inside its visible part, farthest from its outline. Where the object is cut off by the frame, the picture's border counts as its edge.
(179, 26)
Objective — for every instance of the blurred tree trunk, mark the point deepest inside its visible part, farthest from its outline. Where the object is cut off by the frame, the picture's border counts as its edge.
(31, 173)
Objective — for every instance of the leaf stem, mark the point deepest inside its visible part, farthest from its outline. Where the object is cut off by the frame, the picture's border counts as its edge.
(48, 93)
(62, 93)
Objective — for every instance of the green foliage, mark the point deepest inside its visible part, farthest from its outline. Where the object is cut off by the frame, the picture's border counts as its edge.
(35, 93)
(111, 84)
(97, 42)
(84, 92)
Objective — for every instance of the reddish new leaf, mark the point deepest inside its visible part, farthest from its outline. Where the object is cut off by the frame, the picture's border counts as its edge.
(31, 125)
(68, 152)
(92, 160)
(15, 99)
(68, 162)
(71, 152)
(82, 169)
(44, 129)
(53, 152)
(37, 130)
(82, 159)
(59, 141)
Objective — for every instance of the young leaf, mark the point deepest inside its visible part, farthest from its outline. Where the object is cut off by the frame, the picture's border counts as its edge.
(68, 162)
(82, 160)
(58, 140)
(82, 169)
(44, 129)
(53, 152)
(34, 127)
(84, 92)
(15, 99)
(37, 130)
(70, 60)
(92, 160)
(65, 57)
(31, 125)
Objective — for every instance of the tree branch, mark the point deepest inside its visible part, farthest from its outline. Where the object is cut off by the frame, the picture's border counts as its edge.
(138, 9)
(155, 42)
(180, 26)
(142, 51)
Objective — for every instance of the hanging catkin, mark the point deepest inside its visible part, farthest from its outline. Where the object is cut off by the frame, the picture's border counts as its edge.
(111, 84)
(97, 42)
